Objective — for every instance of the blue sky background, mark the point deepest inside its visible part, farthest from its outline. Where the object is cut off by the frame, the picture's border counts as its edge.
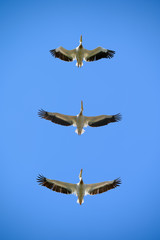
(128, 83)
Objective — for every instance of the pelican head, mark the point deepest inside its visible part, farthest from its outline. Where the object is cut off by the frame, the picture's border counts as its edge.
(80, 175)
(80, 117)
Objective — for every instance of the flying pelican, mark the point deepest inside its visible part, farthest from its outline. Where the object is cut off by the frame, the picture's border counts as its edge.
(80, 120)
(81, 54)
(80, 189)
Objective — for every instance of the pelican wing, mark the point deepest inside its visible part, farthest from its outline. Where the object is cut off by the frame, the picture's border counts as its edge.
(101, 120)
(58, 118)
(57, 186)
(97, 53)
(97, 188)
(64, 54)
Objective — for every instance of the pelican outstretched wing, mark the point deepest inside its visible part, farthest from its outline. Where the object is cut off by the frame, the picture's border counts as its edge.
(98, 53)
(102, 120)
(97, 188)
(64, 54)
(58, 118)
(57, 186)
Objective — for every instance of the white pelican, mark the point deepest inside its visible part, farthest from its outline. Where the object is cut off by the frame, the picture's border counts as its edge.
(81, 54)
(80, 189)
(80, 120)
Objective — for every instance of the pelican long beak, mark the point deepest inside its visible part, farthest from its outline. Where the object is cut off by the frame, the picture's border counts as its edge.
(81, 106)
(81, 39)
(80, 175)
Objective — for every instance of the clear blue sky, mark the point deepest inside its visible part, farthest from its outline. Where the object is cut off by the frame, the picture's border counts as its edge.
(128, 83)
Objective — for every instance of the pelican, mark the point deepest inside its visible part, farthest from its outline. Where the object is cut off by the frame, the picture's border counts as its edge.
(81, 54)
(80, 120)
(80, 189)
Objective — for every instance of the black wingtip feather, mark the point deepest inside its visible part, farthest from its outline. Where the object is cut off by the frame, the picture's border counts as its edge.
(110, 53)
(118, 117)
(42, 113)
(52, 52)
(117, 182)
(41, 179)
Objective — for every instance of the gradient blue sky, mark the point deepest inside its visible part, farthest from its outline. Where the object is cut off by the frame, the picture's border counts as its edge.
(128, 83)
